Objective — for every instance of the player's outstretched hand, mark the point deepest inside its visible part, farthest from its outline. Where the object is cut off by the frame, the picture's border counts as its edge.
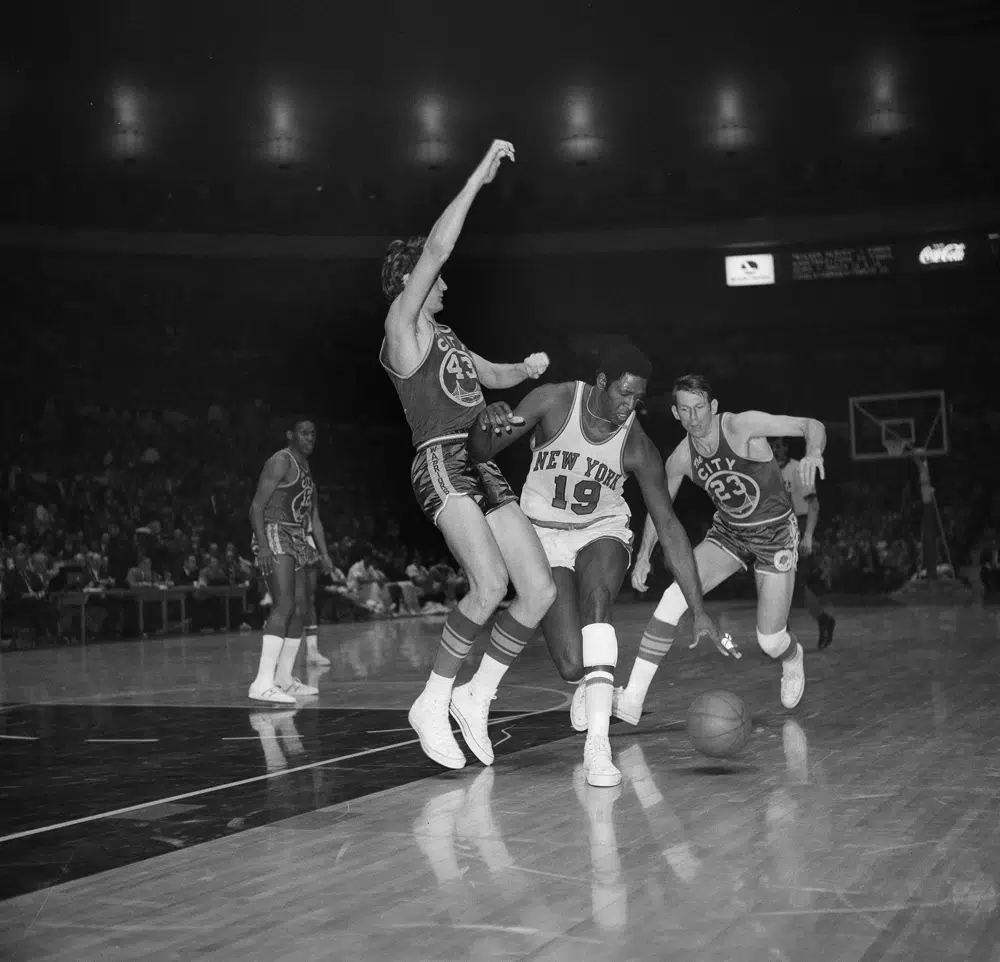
(490, 163)
(499, 417)
(326, 565)
(535, 365)
(706, 625)
(640, 573)
(809, 467)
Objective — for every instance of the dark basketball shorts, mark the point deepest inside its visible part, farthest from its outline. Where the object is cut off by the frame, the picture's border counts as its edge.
(444, 469)
(288, 539)
(772, 547)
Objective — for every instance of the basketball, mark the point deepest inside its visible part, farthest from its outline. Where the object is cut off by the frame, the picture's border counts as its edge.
(719, 723)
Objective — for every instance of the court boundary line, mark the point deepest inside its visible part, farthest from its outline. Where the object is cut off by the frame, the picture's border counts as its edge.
(97, 816)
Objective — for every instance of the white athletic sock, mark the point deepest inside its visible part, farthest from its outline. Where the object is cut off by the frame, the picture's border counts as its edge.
(641, 678)
(311, 648)
(270, 649)
(286, 661)
(486, 680)
(438, 685)
(600, 653)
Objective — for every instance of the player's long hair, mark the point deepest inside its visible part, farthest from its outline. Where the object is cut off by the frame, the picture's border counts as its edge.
(693, 384)
(400, 258)
(624, 359)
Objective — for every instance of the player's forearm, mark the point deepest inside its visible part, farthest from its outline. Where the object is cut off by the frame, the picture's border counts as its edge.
(500, 376)
(444, 234)
(319, 535)
(257, 523)
(680, 557)
(649, 539)
(815, 438)
(812, 518)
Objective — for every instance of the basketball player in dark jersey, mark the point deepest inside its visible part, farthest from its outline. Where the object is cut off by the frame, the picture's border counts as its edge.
(439, 382)
(283, 513)
(585, 442)
(805, 504)
(728, 456)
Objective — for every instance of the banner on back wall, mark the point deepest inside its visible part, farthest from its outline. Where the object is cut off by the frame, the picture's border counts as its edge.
(837, 263)
(749, 270)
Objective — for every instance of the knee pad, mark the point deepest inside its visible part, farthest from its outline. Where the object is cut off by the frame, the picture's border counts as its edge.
(774, 645)
(672, 605)
(600, 646)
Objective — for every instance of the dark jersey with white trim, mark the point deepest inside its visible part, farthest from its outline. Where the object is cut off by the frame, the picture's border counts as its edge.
(442, 397)
(746, 492)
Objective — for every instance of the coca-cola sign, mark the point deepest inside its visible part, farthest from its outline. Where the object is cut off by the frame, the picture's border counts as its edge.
(943, 254)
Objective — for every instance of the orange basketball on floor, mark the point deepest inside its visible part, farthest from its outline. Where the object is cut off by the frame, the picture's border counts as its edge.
(719, 723)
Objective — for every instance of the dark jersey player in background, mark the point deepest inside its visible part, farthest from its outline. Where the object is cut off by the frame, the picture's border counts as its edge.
(728, 457)
(283, 513)
(585, 442)
(805, 504)
(439, 382)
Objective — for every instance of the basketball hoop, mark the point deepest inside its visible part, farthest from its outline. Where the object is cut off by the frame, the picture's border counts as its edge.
(896, 447)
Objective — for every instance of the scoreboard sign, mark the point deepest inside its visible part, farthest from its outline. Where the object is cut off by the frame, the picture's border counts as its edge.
(749, 270)
(839, 262)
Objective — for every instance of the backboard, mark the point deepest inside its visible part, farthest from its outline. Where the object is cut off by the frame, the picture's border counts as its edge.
(882, 424)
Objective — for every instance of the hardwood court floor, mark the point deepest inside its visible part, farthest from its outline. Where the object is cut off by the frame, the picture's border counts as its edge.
(149, 811)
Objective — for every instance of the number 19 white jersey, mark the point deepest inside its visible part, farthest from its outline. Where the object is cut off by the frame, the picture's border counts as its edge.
(574, 482)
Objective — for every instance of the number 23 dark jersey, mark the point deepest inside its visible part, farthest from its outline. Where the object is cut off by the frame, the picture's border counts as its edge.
(746, 492)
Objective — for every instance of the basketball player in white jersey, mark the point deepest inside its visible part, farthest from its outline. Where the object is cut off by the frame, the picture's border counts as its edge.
(728, 457)
(585, 441)
(805, 504)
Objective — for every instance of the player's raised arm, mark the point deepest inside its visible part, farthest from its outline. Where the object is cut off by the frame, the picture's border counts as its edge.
(497, 427)
(499, 376)
(643, 460)
(760, 424)
(272, 475)
(400, 324)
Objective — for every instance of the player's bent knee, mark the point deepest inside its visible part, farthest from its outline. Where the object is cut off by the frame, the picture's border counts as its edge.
(775, 644)
(672, 605)
(569, 663)
(543, 594)
(600, 645)
(488, 588)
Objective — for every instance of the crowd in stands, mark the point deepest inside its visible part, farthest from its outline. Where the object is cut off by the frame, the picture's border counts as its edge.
(108, 500)
(116, 500)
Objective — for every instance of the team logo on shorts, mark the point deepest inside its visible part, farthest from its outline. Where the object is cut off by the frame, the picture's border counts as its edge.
(459, 379)
(736, 494)
(784, 560)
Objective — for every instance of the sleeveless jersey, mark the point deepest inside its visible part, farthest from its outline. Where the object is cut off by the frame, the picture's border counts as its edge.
(292, 501)
(746, 493)
(442, 397)
(574, 481)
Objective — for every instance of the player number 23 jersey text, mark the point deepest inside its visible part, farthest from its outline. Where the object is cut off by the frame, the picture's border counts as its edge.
(573, 481)
(746, 492)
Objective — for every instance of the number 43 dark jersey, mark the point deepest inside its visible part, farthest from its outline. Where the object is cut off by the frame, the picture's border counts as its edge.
(747, 493)
(574, 481)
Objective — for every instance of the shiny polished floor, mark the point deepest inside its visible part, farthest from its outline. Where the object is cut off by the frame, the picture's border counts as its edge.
(148, 811)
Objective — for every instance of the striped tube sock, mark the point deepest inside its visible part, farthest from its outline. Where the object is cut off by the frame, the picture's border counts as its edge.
(312, 636)
(507, 640)
(457, 639)
(656, 642)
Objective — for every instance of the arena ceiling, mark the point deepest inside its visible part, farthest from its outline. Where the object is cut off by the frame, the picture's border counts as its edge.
(369, 101)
